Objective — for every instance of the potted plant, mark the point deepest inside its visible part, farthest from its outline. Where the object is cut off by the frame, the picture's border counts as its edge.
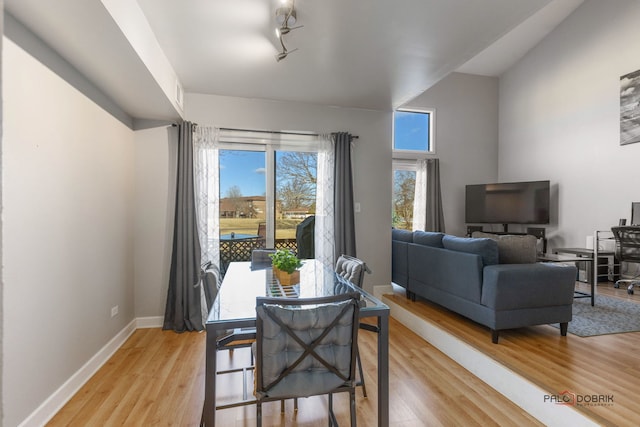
(285, 266)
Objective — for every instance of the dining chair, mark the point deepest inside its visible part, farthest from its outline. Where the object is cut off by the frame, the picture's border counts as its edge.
(260, 258)
(352, 269)
(231, 338)
(306, 347)
(211, 279)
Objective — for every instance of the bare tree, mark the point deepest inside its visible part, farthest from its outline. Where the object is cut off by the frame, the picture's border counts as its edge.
(296, 176)
(234, 194)
(296, 194)
(403, 195)
(298, 165)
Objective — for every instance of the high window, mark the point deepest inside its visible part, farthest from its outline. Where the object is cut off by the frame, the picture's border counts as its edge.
(413, 133)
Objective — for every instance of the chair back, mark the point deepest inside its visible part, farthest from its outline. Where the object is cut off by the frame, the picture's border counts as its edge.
(210, 278)
(627, 243)
(352, 269)
(305, 346)
(260, 258)
(262, 229)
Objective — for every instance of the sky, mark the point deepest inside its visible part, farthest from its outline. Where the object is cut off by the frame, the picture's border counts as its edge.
(246, 169)
(411, 130)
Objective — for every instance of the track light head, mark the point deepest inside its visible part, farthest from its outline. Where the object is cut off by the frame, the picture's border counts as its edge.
(280, 56)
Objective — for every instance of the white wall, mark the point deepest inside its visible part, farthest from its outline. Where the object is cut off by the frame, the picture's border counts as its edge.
(67, 231)
(560, 115)
(155, 181)
(1, 220)
(466, 138)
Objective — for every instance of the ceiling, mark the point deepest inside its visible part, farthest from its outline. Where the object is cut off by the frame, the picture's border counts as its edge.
(368, 54)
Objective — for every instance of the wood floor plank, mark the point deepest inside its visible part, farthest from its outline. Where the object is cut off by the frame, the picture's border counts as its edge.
(599, 365)
(157, 378)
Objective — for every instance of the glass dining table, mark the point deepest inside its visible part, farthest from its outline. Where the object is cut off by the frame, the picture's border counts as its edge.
(234, 308)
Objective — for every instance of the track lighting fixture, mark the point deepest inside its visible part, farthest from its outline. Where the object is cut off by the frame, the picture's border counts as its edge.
(286, 17)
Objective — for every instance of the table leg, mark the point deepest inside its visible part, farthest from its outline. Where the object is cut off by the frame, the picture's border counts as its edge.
(383, 370)
(209, 408)
(594, 279)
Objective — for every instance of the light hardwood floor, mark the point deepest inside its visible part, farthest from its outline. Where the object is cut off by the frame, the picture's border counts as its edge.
(157, 378)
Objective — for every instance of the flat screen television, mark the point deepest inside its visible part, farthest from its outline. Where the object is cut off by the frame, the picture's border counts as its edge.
(508, 203)
(635, 213)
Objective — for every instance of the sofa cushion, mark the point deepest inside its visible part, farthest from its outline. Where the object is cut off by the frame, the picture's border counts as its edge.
(485, 247)
(402, 235)
(513, 249)
(428, 238)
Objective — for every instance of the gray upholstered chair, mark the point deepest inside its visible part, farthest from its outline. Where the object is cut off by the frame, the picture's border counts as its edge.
(306, 347)
(353, 269)
(210, 276)
(260, 258)
(231, 338)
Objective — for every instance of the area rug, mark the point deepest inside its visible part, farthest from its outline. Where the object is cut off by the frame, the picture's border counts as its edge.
(608, 316)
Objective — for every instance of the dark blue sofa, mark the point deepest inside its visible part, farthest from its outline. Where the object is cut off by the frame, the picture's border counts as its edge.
(465, 275)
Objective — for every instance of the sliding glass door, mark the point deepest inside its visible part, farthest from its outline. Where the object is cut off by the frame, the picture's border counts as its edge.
(267, 199)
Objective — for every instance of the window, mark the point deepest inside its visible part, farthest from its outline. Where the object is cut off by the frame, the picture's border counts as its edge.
(413, 133)
(404, 184)
(412, 140)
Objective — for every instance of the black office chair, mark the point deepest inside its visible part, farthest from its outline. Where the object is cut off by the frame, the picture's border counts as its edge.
(627, 250)
(306, 347)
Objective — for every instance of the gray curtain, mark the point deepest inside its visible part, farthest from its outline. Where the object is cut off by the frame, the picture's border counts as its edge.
(435, 216)
(183, 311)
(344, 222)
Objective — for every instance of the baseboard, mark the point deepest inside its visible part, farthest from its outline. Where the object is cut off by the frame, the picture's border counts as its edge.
(380, 290)
(62, 395)
(149, 322)
(514, 387)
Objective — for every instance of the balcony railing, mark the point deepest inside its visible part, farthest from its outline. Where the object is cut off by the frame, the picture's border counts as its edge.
(240, 250)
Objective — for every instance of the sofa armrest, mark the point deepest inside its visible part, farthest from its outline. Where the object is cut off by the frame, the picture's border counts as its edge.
(515, 286)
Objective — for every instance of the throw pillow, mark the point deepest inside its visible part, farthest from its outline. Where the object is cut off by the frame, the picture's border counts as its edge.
(486, 248)
(513, 249)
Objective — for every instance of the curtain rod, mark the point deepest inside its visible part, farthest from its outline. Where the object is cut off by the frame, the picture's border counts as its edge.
(270, 131)
(278, 132)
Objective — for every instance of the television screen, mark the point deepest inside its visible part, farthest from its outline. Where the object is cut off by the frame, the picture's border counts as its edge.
(635, 213)
(508, 203)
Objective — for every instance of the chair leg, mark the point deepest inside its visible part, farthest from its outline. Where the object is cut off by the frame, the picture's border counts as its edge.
(359, 363)
(332, 423)
(258, 414)
(295, 404)
(352, 404)
(282, 406)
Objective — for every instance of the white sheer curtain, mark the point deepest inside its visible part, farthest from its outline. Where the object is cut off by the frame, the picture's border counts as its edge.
(324, 225)
(207, 191)
(427, 204)
(420, 197)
